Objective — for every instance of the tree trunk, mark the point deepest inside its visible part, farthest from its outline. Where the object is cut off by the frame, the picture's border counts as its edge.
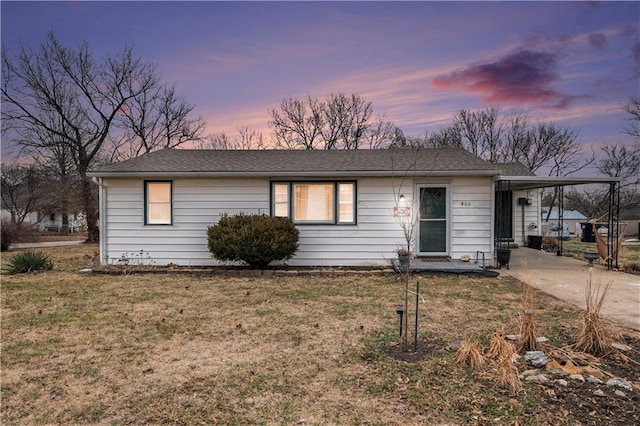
(90, 210)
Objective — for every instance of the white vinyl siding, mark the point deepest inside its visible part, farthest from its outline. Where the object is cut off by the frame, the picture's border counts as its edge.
(471, 217)
(198, 203)
(530, 215)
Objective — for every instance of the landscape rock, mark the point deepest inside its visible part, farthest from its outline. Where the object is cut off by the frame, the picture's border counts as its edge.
(578, 377)
(540, 378)
(454, 345)
(594, 380)
(536, 358)
(562, 382)
(541, 339)
(620, 393)
(598, 392)
(528, 373)
(621, 383)
(592, 372)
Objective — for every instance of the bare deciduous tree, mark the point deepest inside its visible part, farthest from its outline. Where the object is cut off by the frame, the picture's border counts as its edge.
(510, 138)
(75, 99)
(154, 119)
(337, 122)
(244, 139)
(481, 132)
(621, 161)
(633, 109)
(22, 191)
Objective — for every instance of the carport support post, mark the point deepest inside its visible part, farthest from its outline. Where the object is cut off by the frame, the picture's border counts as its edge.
(560, 219)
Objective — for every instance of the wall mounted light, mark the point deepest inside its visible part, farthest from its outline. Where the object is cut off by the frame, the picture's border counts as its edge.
(401, 201)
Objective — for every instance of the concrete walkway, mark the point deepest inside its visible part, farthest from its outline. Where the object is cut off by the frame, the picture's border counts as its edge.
(566, 279)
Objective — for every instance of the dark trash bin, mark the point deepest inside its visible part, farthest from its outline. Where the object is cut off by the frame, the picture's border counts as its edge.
(504, 256)
(587, 233)
(534, 242)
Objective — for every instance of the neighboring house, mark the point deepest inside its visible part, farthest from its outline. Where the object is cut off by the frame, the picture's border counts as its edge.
(571, 220)
(29, 219)
(632, 218)
(50, 222)
(342, 202)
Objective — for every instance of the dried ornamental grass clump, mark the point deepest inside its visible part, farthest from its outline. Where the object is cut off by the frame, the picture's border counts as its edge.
(527, 321)
(503, 353)
(469, 353)
(596, 334)
(498, 345)
(500, 354)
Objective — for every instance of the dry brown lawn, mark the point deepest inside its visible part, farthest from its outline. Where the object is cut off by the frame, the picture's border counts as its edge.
(209, 349)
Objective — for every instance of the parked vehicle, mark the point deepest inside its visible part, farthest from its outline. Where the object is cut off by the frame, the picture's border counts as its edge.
(552, 229)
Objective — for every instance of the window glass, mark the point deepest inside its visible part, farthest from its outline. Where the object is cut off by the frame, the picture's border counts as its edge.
(346, 196)
(281, 199)
(158, 203)
(313, 202)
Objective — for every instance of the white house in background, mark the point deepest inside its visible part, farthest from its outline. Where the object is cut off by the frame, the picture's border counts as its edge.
(344, 202)
(571, 218)
(49, 222)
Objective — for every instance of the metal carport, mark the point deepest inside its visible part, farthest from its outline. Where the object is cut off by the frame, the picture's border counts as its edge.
(514, 183)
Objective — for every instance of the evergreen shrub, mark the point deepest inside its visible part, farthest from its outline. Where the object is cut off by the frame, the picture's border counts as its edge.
(8, 235)
(254, 239)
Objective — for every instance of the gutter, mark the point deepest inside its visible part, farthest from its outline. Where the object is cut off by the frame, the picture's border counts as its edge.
(269, 174)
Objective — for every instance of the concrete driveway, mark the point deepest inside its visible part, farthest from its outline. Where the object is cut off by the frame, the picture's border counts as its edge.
(566, 279)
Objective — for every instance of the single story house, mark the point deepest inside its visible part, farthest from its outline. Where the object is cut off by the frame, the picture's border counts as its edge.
(50, 222)
(632, 218)
(571, 220)
(349, 205)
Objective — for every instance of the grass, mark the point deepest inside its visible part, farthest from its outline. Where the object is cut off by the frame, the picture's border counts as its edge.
(628, 258)
(167, 348)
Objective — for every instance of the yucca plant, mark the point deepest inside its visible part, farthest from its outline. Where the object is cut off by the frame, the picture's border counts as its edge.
(28, 261)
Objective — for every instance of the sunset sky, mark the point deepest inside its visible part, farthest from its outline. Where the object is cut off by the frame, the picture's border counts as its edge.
(418, 62)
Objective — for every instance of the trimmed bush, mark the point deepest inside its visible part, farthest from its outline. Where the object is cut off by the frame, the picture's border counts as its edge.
(28, 261)
(8, 235)
(256, 240)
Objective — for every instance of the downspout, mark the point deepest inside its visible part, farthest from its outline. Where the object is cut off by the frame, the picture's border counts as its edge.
(524, 239)
(102, 209)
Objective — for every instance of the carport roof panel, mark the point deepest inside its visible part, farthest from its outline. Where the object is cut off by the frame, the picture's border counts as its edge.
(535, 182)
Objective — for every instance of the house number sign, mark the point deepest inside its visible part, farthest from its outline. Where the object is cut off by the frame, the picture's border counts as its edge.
(465, 203)
(402, 211)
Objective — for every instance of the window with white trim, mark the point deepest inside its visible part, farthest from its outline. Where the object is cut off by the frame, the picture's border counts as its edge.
(315, 202)
(157, 203)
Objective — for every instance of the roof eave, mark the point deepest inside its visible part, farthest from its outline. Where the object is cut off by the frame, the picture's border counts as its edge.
(306, 174)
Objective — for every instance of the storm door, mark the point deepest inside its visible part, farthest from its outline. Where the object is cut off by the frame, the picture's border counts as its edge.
(504, 216)
(433, 235)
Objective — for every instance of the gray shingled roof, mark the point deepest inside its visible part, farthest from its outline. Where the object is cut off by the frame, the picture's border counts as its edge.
(184, 162)
(515, 169)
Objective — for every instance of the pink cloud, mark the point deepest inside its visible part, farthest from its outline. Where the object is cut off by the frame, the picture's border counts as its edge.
(522, 77)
